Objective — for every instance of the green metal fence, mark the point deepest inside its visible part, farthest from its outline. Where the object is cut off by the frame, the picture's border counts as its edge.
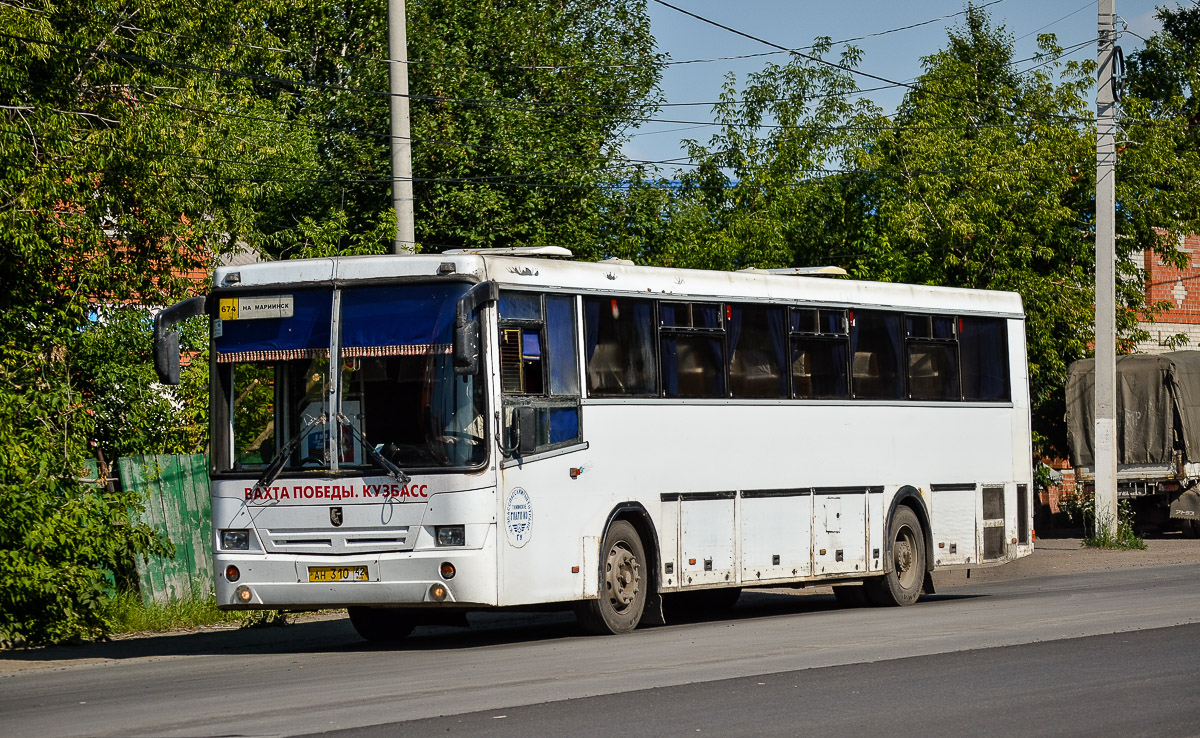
(177, 503)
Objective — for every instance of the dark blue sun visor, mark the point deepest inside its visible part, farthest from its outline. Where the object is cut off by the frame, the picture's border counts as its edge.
(393, 320)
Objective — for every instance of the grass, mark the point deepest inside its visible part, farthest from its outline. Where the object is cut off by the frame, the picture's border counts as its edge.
(1083, 508)
(126, 613)
(1124, 539)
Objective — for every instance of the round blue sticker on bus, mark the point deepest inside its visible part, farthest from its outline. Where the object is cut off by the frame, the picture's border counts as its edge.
(518, 517)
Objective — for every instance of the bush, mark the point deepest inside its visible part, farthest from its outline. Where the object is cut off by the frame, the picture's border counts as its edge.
(1081, 509)
(64, 544)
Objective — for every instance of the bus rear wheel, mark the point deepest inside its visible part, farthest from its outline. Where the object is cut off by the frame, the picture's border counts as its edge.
(901, 585)
(623, 581)
(381, 624)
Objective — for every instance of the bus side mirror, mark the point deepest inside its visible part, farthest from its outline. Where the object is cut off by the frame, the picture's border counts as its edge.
(466, 330)
(166, 357)
(466, 347)
(166, 341)
(526, 429)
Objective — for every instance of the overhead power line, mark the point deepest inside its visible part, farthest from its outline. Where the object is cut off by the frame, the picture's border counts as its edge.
(825, 62)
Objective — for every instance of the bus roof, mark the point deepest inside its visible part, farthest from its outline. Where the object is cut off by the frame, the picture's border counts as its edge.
(621, 279)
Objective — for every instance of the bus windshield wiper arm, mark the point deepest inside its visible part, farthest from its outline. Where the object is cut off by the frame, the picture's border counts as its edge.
(282, 455)
(392, 470)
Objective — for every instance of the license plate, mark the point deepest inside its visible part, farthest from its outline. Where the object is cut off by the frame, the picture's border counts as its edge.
(337, 574)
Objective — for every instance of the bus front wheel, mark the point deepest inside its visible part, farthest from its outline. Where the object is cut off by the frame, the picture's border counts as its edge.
(901, 585)
(623, 581)
(381, 624)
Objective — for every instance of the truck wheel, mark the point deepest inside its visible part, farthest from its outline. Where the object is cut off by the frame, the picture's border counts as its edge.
(623, 582)
(1191, 528)
(381, 624)
(901, 585)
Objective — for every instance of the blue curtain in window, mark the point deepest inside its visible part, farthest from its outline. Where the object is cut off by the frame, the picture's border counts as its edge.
(643, 365)
(591, 325)
(560, 339)
(304, 335)
(735, 328)
(670, 366)
(399, 320)
(777, 324)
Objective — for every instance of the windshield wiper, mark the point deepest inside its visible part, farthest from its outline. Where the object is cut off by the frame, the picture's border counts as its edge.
(392, 470)
(284, 453)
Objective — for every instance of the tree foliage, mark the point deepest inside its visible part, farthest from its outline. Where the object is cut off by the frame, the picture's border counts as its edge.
(518, 109)
(115, 192)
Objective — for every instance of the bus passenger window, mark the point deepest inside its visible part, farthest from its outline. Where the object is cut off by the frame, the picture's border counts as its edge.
(539, 364)
(819, 353)
(875, 355)
(693, 349)
(521, 361)
(619, 346)
(983, 348)
(932, 357)
(757, 352)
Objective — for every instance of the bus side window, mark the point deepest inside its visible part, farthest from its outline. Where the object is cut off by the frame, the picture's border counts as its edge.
(932, 357)
(539, 365)
(819, 340)
(693, 349)
(619, 343)
(757, 352)
(875, 341)
(983, 348)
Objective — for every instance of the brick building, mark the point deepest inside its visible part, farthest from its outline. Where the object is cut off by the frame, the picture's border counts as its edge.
(1180, 288)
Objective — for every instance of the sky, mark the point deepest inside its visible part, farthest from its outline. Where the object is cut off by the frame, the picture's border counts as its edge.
(894, 56)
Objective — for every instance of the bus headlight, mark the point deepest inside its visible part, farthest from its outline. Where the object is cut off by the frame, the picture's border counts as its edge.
(451, 535)
(235, 540)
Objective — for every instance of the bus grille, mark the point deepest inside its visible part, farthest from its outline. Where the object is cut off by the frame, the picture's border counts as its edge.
(352, 541)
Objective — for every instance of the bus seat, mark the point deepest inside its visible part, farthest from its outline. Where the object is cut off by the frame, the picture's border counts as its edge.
(865, 369)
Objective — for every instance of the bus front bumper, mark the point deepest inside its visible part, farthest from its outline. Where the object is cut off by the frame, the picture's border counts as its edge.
(284, 581)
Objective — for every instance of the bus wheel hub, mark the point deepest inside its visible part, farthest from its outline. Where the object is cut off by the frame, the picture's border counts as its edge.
(624, 576)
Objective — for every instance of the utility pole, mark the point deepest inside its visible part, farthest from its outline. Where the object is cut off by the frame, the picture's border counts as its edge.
(1105, 451)
(402, 189)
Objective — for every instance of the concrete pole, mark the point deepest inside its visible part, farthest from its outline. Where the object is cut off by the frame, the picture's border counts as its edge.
(1106, 344)
(402, 189)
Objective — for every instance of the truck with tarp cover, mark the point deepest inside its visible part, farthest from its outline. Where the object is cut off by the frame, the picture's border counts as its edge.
(1157, 434)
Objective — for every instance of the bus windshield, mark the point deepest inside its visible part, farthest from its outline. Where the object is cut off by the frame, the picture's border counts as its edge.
(391, 383)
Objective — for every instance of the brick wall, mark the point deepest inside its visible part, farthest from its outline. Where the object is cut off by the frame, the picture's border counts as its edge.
(1050, 497)
(1180, 288)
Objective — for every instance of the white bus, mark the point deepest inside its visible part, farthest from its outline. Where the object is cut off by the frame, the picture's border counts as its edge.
(417, 437)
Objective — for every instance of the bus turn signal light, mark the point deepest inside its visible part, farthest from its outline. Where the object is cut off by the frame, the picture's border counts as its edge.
(232, 573)
(243, 594)
(437, 592)
(447, 570)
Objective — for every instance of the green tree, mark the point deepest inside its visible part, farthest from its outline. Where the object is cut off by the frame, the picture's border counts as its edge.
(1159, 145)
(766, 190)
(518, 112)
(114, 192)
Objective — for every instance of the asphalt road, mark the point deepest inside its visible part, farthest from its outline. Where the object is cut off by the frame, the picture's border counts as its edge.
(1098, 653)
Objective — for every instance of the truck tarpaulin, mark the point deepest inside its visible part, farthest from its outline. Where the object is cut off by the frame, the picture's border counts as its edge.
(1158, 396)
